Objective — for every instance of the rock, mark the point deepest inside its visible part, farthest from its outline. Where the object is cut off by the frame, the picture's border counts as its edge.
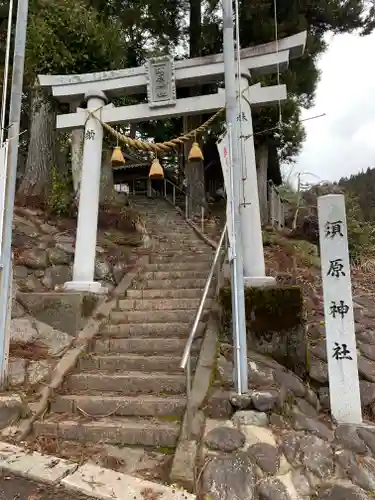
(16, 371)
(20, 272)
(17, 310)
(318, 370)
(290, 382)
(264, 400)
(278, 421)
(225, 439)
(368, 437)
(31, 284)
(340, 492)
(23, 330)
(365, 474)
(229, 477)
(366, 337)
(301, 483)
(28, 329)
(324, 397)
(367, 392)
(312, 398)
(368, 351)
(48, 229)
(302, 422)
(366, 368)
(225, 372)
(66, 311)
(316, 455)
(99, 250)
(261, 376)
(66, 247)
(58, 257)
(361, 473)
(33, 258)
(20, 240)
(266, 457)
(119, 271)
(218, 405)
(319, 350)
(38, 371)
(290, 444)
(56, 275)
(347, 436)
(11, 408)
(241, 401)
(306, 407)
(316, 331)
(103, 270)
(250, 417)
(272, 489)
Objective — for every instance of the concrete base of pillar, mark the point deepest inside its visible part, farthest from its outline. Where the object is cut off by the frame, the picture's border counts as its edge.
(85, 286)
(261, 281)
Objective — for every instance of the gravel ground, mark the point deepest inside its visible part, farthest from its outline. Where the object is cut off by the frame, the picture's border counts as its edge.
(16, 488)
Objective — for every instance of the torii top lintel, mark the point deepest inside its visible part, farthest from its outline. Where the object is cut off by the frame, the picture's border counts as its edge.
(261, 59)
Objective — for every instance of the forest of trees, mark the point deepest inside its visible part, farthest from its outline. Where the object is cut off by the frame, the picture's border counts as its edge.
(362, 186)
(78, 36)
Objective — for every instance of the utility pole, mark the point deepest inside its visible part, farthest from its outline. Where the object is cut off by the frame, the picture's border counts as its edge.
(13, 142)
(238, 295)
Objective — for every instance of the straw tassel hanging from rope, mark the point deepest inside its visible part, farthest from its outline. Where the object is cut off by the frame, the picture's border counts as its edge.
(117, 159)
(195, 153)
(156, 170)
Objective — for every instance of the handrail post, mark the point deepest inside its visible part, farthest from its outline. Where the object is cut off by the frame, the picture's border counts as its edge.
(186, 206)
(188, 398)
(174, 195)
(165, 188)
(202, 219)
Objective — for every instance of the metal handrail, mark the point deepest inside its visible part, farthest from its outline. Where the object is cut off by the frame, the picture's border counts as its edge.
(198, 315)
(186, 358)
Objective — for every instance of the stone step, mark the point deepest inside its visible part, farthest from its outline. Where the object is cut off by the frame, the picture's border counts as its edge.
(126, 406)
(179, 283)
(112, 430)
(183, 257)
(178, 241)
(179, 266)
(185, 293)
(145, 345)
(155, 330)
(183, 316)
(130, 383)
(131, 362)
(171, 249)
(161, 304)
(170, 275)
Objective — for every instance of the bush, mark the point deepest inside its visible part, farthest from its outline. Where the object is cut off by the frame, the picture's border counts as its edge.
(60, 197)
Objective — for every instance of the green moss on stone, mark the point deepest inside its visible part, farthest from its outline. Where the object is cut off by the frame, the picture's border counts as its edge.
(267, 309)
(275, 324)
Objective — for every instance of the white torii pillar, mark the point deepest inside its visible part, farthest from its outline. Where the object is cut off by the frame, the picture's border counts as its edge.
(87, 225)
(251, 229)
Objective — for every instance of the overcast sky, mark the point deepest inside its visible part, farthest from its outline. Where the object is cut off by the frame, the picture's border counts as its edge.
(343, 141)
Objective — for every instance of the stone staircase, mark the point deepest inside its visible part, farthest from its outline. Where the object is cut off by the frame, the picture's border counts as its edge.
(129, 389)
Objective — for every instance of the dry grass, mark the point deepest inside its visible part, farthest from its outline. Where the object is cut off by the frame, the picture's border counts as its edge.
(33, 351)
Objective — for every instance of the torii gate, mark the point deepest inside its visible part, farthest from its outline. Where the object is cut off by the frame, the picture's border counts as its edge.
(159, 77)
